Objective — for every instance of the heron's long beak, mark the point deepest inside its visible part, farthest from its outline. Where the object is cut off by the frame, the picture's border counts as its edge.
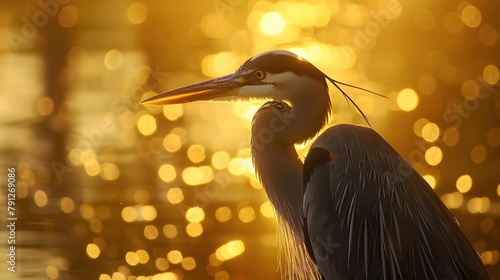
(212, 89)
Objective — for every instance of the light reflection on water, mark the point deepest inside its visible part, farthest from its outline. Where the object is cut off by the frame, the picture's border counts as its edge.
(71, 209)
(109, 188)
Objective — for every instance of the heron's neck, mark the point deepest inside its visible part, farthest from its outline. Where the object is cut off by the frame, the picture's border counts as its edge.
(311, 115)
(311, 107)
(276, 129)
(280, 171)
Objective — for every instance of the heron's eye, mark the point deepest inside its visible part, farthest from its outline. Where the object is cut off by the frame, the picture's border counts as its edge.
(259, 74)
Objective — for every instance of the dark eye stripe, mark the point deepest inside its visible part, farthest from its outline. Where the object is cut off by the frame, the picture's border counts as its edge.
(280, 63)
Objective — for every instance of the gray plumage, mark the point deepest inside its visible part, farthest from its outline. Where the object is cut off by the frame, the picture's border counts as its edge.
(370, 215)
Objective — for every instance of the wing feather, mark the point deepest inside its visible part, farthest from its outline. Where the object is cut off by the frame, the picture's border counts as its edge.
(379, 218)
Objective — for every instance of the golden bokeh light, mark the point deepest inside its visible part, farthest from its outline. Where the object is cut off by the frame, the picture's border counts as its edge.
(92, 167)
(478, 154)
(255, 183)
(87, 155)
(272, 23)
(419, 125)
(150, 232)
(146, 124)
(40, 198)
(488, 35)
(52, 272)
(194, 229)
(230, 250)
(148, 212)
(175, 195)
(305, 14)
(221, 275)
(129, 214)
(105, 277)
(220, 159)
(224, 214)
(430, 179)
(352, 14)
(266, 209)
(491, 75)
(173, 112)
(478, 205)
(430, 132)
(195, 214)
(109, 171)
(68, 16)
(67, 205)
(143, 256)
(172, 142)
(174, 257)
(470, 89)
(407, 99)
(131, 258)
(113, 60)
(74, 157)
(194, 176)
(464, 183)
(219, 64)
(490, 257)
(188, 263)
(45, 106)
(246, 214)
(433, 156)
(163, 276)
(93, 251)
(196, 153)
(241, 166)
(471, 16)
(167, 173)
(213, 26)
(87, 211)
(139, 213)
(453, 200)
(137, 13)
(162, 264)
(451, 136)
(170, 231)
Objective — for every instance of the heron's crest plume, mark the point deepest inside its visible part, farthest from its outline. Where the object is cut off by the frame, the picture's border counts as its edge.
(279, 61)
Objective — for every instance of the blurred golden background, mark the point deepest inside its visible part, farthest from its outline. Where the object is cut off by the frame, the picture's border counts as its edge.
(110, 189)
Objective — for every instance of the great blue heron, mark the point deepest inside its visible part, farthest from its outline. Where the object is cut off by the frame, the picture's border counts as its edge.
(355, 206)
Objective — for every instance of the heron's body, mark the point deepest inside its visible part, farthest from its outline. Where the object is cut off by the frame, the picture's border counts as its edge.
(370, 215)
(355, 208)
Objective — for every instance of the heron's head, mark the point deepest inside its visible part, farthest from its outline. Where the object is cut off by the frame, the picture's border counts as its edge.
(279, 75)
